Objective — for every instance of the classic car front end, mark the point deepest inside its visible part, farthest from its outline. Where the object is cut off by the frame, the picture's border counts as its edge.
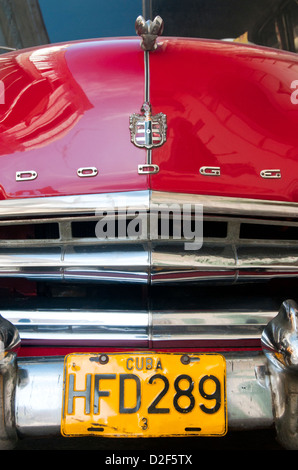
(148, 238)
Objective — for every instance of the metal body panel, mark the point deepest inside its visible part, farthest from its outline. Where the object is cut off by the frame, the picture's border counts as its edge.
(221, 104)
(225, 109)
(80, 97)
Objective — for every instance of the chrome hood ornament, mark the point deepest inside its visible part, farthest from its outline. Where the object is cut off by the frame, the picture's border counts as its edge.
(149, 31)
(148, 131)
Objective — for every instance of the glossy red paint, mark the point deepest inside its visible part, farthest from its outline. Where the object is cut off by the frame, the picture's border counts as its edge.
(66, 107)
(229, 106)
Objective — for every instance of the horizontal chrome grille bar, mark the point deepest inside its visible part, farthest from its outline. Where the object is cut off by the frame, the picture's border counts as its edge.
(197, 327)
(166, 263)
(138, 328)
(88, 327)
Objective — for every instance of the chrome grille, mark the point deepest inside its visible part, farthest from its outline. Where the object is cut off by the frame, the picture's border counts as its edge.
(52, 242)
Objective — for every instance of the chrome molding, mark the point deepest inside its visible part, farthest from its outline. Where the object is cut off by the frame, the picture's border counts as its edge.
(104, 327)
(230, 205)
(72, 205)
(173, 328)
(147, 77)
(91, 263)
(90, 203)
(202, 327)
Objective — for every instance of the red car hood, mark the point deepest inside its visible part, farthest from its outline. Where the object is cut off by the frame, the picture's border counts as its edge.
(228, 107)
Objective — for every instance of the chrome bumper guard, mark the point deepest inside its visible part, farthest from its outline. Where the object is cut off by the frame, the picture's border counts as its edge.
(262, 387)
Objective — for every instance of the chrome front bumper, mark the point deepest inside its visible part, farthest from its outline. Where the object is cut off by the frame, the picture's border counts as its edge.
(261, 386)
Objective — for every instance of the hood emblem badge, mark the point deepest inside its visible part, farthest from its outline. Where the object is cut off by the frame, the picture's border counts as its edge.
(147, 130)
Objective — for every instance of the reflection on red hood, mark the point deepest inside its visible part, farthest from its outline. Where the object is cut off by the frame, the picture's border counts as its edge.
(228, 107)
(68, 107)
(42, 99)
(229, 111)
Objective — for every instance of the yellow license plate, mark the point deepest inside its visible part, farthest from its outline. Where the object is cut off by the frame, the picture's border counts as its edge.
(144, 395)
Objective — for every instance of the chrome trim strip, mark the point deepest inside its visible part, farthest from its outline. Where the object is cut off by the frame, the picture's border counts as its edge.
(229, 205)
(76, 204)
(115, 263)
(127, 327)
(147, 76)
(90, 203)
(195, 327)
(147, 328)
